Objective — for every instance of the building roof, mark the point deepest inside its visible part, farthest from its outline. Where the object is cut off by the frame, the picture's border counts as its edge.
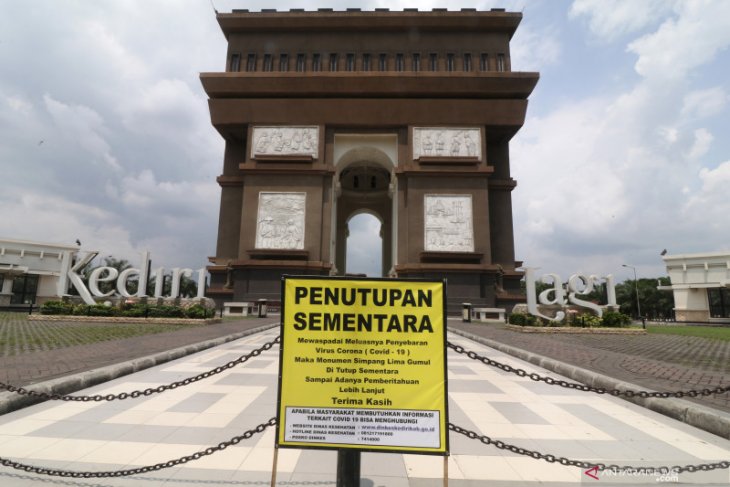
(353, 20)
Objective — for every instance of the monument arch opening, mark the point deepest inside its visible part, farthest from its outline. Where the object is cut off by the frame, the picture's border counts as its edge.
(364, 253)
(364, 181)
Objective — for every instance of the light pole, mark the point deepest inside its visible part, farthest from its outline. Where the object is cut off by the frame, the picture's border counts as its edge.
(636, 288)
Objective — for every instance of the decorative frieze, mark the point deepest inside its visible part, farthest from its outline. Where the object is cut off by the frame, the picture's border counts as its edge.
(448, 223)
(280, 222)
(447, 142)
(285, 141)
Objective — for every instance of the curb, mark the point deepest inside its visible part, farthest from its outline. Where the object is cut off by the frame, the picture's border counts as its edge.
(575, 330)
(124, 319)
(702, 417)
(10, 401)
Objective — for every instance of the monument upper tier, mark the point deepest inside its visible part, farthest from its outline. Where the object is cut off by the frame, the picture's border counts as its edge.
(420, 47)
(428, 57)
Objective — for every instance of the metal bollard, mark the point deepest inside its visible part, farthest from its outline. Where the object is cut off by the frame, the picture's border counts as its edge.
(466, 313)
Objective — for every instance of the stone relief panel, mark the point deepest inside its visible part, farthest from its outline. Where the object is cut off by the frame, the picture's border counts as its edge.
(448, 223)
(285, 141)
(447, 142)
(280, 222)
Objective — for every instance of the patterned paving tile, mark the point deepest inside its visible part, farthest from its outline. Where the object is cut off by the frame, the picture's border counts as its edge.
(128, 434)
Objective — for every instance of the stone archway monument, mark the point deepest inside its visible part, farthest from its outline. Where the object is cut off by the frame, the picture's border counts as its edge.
(403, 115)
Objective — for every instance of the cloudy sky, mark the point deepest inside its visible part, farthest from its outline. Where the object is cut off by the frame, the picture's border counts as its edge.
(105, 133)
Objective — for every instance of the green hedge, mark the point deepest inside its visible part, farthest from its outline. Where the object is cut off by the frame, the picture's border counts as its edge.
(57, 308)
(137, 310)
(614, 319)
(610, 319)
(522, 319)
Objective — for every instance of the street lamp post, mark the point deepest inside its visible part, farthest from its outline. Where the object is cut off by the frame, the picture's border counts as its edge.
(636, 288)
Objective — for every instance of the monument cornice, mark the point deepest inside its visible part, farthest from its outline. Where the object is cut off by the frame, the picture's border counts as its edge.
(226, 181)
(446, 267)
(411, 84)
(270, 168)
(354, 20)
(502, 184)
(504, 114)
(446, 172)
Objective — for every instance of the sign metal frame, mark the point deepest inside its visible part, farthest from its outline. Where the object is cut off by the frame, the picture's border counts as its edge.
(360, 412)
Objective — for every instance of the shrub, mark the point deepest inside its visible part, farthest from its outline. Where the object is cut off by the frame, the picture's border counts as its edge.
(197, 311)
(522, 319)
(587, 319)
(56, 308)
(137, 310)
(165, 311)
(614, 319)
(517, 319)
(94, 310)
(102, 310)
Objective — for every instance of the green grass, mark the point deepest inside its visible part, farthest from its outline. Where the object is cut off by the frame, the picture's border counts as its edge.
(711, 332)
(18, 335)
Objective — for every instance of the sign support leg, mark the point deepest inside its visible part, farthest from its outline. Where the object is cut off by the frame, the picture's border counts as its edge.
(446, 471)
(348, 468)
(273, 468)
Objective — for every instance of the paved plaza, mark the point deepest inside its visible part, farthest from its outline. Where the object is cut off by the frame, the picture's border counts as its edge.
(103, 436)
(652, 361)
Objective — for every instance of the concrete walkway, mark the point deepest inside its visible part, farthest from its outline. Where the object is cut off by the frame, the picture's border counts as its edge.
(147, 430)
(656, 362)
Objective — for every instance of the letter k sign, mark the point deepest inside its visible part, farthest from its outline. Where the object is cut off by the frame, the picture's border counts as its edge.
(69, 273)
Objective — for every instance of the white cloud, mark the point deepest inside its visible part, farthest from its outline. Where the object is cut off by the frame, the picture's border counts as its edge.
(702, 141)
(534, 50)
(604, 179)
(109, 50)
(611, 20)
(83, 125)
(716, 182)
(53, 218)
(157, 106)
(364, 246)
(19, 105)
(704, 103)
(568, 173)
(609, 166)
(669, 134)
(681, 44)
(165, 199)
(708, 208)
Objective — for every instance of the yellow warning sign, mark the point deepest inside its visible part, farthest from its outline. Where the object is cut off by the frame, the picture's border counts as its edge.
(363, 365)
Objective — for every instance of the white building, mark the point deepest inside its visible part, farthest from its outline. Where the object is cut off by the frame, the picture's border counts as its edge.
(29, 271)
(701, 286)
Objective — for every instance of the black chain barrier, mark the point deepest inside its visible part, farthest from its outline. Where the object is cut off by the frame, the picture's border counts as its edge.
(146, 392)
(582, 387)
(702, 467)
(136, 471)
(550, 458)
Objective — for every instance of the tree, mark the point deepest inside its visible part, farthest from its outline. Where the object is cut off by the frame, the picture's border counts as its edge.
(188, 287)
(654, 303)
